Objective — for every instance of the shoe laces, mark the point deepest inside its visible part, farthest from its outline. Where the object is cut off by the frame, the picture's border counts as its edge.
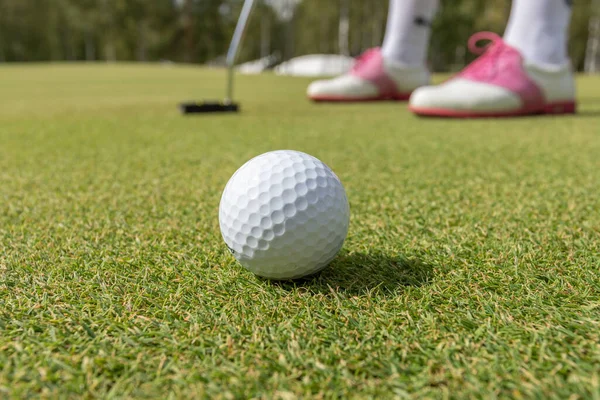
(364, 58)
(493, 56)
(478, 37)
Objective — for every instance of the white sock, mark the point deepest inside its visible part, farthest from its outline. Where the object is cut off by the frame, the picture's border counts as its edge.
(407, 32)
(539, 30)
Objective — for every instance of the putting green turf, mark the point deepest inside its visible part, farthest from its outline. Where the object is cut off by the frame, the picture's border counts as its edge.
(471, 267)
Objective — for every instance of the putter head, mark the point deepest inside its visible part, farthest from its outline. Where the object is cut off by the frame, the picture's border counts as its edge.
(208, 107)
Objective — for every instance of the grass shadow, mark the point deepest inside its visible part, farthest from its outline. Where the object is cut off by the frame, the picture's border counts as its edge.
(359, 273)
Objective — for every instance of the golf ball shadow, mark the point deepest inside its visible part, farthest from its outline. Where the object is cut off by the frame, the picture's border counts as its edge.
(358, 273)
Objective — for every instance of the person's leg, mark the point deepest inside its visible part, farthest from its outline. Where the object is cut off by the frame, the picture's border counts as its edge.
(538, 29)
(527, 72)
(407, 32)
(390, 73)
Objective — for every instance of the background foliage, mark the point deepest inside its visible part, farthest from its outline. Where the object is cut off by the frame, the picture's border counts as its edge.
(198, 31)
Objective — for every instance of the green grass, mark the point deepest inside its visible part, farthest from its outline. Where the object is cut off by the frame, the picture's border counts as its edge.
(471, 268)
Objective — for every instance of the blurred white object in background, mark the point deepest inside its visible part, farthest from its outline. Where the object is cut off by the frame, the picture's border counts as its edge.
(257, 66)
(316, 65)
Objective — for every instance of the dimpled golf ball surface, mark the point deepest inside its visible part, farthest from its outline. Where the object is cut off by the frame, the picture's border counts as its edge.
(284, 215)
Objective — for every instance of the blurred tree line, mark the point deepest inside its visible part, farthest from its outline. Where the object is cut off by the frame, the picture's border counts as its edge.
(199, 31)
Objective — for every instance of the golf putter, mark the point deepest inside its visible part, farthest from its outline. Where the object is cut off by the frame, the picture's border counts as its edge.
(227, 105)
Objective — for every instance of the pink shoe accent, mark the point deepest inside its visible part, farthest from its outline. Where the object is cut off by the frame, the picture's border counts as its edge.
(501, 65)
(369, 66)
(568, 107)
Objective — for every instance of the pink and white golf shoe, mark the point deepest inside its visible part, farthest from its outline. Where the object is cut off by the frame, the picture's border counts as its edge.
(500, 83)
(371, 79)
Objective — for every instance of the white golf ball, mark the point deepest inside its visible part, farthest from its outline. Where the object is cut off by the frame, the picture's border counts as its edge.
(284, 215)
